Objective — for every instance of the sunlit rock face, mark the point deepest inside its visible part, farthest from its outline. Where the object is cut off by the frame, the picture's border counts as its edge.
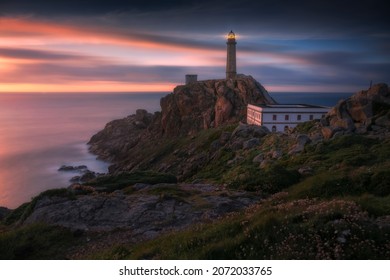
(210, 103)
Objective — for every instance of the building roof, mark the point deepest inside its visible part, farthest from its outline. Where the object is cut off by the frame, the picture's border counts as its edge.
(288, 106)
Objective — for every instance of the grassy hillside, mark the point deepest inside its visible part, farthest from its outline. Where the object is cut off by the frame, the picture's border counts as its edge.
(330, 201)
(340, 210)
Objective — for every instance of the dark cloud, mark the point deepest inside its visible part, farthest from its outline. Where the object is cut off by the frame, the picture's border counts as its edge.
(301, 30)
(327, 69)
(85, 6)
(360, 16)
(35, 54)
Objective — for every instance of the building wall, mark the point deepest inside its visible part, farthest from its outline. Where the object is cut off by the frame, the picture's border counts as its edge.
(253, 115)
(279, 118)
(191, 78)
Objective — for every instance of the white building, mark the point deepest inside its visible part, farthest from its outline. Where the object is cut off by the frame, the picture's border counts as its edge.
(281, 117)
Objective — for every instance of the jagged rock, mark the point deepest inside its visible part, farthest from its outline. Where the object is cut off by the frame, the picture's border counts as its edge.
(258, 159)
(276, 154)
(246, 131)
(223, 110)
(72, 168)
(4, 212)
(355, 114)
(120, 136)
(140, 124)
(87, 176)
(197, 106)
(383, 121)
(327, 132)
(251, 143)
(265, 163)
(237, 145)
(148, 209)
(224, 138)
(75, 179)
(302, 140)
(305, 170)
(338, 134)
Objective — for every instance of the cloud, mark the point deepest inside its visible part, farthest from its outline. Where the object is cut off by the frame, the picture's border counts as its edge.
(35, 54)
(279, 42)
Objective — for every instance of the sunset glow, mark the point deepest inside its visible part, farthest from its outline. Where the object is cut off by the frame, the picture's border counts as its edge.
(135, 51)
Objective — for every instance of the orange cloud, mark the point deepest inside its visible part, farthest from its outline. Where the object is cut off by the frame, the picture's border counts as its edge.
(96, 86)
(59, 45)
(29, 30)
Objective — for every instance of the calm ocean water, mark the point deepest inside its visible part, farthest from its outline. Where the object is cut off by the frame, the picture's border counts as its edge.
(41, 132)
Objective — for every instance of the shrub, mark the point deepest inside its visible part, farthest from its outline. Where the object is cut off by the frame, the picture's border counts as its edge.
(36, 241)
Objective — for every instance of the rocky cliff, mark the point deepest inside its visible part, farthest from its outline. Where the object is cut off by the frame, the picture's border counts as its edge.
(329, 193)
(211, 103)
(366, 112)
(188, 110)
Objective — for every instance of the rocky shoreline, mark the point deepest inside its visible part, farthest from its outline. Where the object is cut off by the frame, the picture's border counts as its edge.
(84, 174)
(179, 168)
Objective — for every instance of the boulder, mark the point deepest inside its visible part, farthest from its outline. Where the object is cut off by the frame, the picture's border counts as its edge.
(251, 143)
(258, 159)
(383, 121)
(225, 137)
(356, 113)
(305, 170)
(327, 132)
(303, 139)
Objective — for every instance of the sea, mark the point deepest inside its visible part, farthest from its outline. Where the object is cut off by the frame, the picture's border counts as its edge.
(40, 132)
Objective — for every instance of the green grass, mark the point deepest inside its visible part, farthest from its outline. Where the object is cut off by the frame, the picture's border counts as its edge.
(36, 242)
(330, 214)
(305, 127)
(304, 229)
(374, 205)
(23, 211)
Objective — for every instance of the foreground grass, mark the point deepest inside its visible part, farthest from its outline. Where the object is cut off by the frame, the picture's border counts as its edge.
(333, 213)
(338, 211)
(275, 229)
(36, 242)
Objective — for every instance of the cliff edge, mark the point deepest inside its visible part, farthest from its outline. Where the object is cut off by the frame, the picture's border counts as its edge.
(212, 103)
(188, 110)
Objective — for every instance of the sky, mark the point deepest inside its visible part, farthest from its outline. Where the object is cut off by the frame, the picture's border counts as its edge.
(126, 46)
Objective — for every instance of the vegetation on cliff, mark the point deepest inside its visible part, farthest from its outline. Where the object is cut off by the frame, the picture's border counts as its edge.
(233, 191)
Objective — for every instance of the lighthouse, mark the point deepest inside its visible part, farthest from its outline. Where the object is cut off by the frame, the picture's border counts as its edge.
(231, 70)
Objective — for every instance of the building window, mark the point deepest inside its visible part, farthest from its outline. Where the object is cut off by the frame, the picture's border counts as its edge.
(299, 117)
(286, 128)
(323, 116)
(274, 117)
(311, 117)
(274, 128)
(286, 117)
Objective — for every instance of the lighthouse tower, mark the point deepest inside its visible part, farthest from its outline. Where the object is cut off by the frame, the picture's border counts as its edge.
(231, 71)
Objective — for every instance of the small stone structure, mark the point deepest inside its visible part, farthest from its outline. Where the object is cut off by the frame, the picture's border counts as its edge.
(191, 78)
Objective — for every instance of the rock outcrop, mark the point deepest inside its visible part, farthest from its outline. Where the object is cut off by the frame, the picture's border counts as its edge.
(364, 112)
(188, 110)
(211, 103)
(148, 211)
(4, 212)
